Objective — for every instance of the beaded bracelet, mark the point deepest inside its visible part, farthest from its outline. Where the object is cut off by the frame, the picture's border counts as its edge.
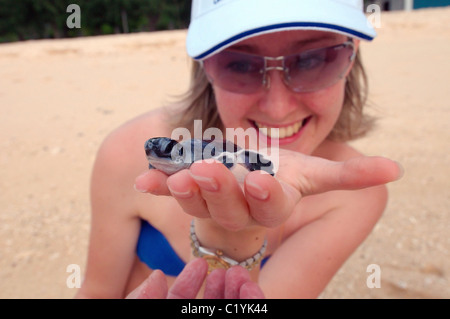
(216, 259)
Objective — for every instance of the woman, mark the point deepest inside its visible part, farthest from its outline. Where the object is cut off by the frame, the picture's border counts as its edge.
(262, 65)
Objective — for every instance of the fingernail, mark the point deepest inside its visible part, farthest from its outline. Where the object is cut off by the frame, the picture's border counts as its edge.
(207, 183)
(139, 189)
(137, 182)
(187, 194)
(401, 170)
(256, 191)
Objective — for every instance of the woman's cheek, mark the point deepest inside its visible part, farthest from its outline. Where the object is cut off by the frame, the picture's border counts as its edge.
(233, 108)
(327, 102)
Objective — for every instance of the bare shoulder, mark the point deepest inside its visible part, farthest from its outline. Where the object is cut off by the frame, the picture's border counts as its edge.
(121, 157)
(137, 130)
(123, 148)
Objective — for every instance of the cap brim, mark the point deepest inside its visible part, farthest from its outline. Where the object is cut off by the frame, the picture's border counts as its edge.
(234, 22)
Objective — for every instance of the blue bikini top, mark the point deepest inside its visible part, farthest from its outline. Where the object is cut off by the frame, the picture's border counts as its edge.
(155, 251)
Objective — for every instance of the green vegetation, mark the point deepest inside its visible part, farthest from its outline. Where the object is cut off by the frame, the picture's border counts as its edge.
(38, 19)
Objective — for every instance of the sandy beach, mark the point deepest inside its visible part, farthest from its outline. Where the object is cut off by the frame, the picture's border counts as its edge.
(60, 98)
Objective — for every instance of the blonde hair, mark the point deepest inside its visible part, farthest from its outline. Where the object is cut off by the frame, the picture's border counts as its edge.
(199, 103)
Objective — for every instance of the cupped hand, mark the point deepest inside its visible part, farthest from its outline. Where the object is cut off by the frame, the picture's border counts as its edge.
(233, 283)
(210, 190)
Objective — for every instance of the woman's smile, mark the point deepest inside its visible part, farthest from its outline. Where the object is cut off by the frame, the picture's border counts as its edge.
(286, 133)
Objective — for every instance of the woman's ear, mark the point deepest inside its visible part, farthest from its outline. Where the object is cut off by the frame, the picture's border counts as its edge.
(356, 45)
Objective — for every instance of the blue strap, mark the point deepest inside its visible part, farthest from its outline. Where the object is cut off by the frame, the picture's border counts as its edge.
(155, 251)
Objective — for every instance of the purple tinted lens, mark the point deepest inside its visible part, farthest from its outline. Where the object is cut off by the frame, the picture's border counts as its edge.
(236, 72)
(317, 69)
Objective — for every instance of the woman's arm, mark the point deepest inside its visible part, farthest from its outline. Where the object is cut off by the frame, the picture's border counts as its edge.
(114, 224)
(307, 260)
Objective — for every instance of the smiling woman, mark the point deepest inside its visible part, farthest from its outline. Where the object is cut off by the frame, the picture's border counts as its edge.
(335, 62)
(292, 73)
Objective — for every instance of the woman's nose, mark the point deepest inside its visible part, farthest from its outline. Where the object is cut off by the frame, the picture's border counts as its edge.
(278, 100)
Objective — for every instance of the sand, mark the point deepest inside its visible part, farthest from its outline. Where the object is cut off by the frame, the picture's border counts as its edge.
(60, 98)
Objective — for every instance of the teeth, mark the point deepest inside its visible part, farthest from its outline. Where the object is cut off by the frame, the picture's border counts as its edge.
(281, 132)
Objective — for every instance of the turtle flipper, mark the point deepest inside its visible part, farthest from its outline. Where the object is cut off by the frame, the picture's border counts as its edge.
(226, 159)
(255, 161)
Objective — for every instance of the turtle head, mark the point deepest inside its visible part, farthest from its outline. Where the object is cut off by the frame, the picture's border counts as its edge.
(165, 154)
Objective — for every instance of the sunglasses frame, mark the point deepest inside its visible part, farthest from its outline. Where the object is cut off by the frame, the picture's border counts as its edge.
(282, 68)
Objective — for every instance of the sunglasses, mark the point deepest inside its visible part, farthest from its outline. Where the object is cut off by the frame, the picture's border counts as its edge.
(307, 71)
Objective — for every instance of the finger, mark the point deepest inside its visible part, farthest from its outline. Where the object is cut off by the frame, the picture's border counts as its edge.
(235, 277)
(223, 195)
(187, 193)
(251, 290)
(189, 281)
(152, 181)
(270, 202)
(154, 287)
(355, 173)
(215, 285)
(362, 172)
(313, 175)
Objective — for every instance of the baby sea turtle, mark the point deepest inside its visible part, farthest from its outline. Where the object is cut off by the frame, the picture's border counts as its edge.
(171, 156)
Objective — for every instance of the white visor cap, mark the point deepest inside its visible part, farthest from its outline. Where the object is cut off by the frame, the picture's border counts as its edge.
(217, 24)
